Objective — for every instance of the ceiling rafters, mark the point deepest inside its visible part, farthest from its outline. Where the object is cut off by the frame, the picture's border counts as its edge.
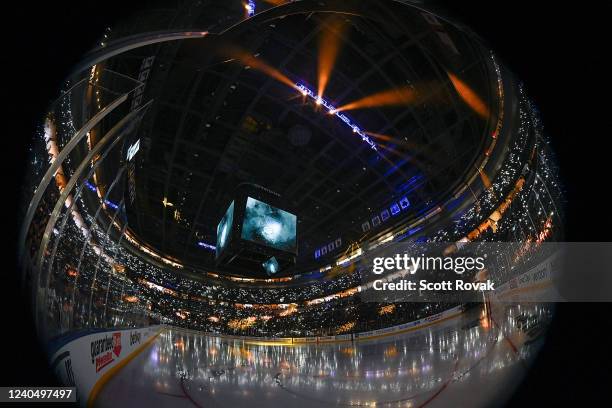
(338, 154)
(374, 68)
(364, 191)
(267, 84)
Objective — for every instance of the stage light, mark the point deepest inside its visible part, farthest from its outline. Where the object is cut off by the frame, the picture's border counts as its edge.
(90, 186)
(250, 8)
(333, 111)
(111, 204)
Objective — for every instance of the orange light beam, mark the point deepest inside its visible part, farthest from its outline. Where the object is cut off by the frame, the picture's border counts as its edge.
(400, 155)
(387, 138)
(329, 47)
(260, 65)
(385, 158)
(380, 136)
(411, 159)
(275, 2)
(392, 97)
(469, 97)
(485, 179)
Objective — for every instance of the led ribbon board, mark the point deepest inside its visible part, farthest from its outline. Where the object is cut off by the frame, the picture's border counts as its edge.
(205, 245)
(332, 110)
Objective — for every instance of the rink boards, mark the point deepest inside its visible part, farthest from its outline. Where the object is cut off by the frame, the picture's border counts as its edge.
(87, 362)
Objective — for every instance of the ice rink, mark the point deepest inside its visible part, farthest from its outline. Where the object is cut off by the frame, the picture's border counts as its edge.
(468, 360)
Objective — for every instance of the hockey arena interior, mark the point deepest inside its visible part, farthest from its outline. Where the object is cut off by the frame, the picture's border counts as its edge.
(203, 188)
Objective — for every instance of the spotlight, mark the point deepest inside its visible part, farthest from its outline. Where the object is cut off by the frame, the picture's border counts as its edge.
(334, 111)
(250, 8)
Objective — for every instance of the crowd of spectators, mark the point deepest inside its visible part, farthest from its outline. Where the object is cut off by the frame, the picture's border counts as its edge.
(90, 289)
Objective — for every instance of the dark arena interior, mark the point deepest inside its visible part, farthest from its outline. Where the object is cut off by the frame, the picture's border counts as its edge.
(202, 194)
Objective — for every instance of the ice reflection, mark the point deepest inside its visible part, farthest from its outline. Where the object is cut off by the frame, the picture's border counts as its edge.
(406, 369)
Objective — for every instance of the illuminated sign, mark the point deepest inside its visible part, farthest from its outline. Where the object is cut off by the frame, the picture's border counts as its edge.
(327, 249)
(111, 204)
(402, 205)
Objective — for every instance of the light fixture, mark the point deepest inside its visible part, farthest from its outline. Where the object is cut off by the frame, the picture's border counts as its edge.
(250, 8)
(332, 111)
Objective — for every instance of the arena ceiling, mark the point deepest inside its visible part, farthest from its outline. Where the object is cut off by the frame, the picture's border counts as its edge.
(219, 120)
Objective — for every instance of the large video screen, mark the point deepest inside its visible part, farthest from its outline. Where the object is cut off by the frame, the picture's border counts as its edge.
(224, 229)
(269, 226)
